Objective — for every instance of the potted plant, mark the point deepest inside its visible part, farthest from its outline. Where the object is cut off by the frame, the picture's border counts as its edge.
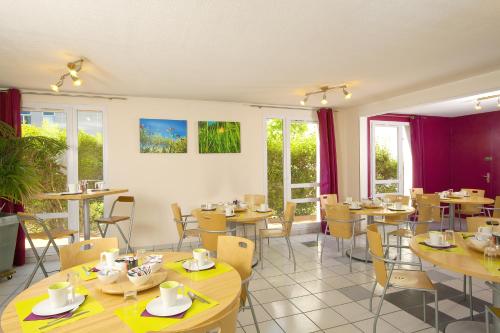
(22, 160)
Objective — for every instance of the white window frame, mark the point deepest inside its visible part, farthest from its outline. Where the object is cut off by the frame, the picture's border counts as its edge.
(287, 171)
(71, 111)
(400, 181)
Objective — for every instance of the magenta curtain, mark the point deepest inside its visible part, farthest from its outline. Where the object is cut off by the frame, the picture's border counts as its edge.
(10, 113)
(417, 153)
(328, 154)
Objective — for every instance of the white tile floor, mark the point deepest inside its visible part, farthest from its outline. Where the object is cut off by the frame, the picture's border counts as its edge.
(319, 297)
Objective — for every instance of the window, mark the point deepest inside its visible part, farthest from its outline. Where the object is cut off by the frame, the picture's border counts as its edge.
(390, 156)
(49, 117)
(25, 117)
(293, 165)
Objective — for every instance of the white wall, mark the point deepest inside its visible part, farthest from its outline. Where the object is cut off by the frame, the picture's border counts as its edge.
(157, 180)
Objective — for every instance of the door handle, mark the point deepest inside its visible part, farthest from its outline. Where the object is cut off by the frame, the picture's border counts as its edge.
(487, 176)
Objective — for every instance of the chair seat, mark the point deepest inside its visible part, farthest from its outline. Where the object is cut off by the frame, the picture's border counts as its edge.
(495, 310)
(191, 233)
(112, 219)
(411, 280)
(390, 222)
(270, 233)
(56, 234)
(406, 233)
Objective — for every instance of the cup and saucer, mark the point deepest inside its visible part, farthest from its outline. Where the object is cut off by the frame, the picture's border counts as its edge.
(263, 208)
(208, 207)
(170, 302)
(397, 207)
(436, 240)
(61, 299)
(200, 262)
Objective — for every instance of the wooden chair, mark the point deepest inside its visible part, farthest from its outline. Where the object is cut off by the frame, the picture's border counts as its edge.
(210, 226)
(468, 209)
(181, 223)
(396, 278)
(47, 234)
(238, 252)
(325, 199)
(115, 219)
(342, 225)
(286, 222)
(81, 252)
(493, 211)
(394, 220)
(254, 199)
(413, 194)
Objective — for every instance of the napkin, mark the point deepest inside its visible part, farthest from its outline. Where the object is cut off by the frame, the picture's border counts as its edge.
(66, 314)
(181, 315)
(94, 270)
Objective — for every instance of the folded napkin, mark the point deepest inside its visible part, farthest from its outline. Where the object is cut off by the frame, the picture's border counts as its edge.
(94, 270)
(181, 315)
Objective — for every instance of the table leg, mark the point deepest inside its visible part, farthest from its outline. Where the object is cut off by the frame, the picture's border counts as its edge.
(452, 215)
(86, 219)
(360, 253)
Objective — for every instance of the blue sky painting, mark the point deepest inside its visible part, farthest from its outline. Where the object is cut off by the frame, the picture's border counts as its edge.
(163, 136)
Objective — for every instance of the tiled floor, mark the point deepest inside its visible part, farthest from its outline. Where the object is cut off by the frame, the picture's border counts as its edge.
(326, 297)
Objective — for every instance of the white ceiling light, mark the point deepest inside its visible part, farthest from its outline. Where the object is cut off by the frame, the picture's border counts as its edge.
(73, 69)
(485, 98)
(323, 90)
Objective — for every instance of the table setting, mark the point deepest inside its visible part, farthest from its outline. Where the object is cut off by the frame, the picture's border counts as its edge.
(198, 267)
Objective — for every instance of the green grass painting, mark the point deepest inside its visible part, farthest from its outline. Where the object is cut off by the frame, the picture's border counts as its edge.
(219, 137)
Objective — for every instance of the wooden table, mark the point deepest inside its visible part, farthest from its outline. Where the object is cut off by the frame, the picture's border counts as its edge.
(85, 198)
(468, 263)
(224, 288)
(246, 217)
(464, 201)
(370, 217)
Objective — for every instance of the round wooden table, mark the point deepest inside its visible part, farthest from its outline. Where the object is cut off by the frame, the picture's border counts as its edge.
(464, 201)
(360, 254)
(245, 217)
(469, 263)
(224, 288)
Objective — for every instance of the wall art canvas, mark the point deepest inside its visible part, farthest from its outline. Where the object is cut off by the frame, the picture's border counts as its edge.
(163, 136)
(218, 137)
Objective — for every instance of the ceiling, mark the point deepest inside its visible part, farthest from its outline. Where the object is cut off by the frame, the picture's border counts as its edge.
(259, 51)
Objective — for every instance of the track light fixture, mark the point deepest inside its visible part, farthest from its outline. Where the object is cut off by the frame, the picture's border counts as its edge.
(478, 105)
(498, 102)
(73, 69)
(324, 90)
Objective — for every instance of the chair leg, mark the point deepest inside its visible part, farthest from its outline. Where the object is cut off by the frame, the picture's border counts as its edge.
(465, 287)
(35, 253)
(436, 311)
(322, 248)
(105, 230)
(470, 299)
(423, 306)
(260, 252)
(100, 230)
(129, 250)
(255, 232)
(293, 255)
(350, 254)
(487, 318)
(253, 312)
(39, 263)
(371, 296)
(179, 244)
(289, 252)
(379, 307)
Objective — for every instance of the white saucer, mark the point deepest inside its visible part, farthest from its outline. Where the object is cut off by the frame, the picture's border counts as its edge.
(358, 208)
(428, 242)
(208, 210)
(156, 307)
(396, 209)
(191, 266)
(231, 215)
(263, 211)
(45, 308)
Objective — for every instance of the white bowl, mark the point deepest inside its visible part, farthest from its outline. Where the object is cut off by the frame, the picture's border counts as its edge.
(139, 280)
(155, 266)
(108, 276)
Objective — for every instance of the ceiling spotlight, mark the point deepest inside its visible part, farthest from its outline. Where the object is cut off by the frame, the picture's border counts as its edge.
(478, 106)
(324, 101)
(304, 101)
(347, 95)
(73, 69)
(54, 87)
(498, 102)
(76, 81)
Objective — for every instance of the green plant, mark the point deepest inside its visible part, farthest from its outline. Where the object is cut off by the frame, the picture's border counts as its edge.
(22, 162)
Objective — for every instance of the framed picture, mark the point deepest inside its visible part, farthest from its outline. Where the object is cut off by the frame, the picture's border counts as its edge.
(218, 137)
(163, 136)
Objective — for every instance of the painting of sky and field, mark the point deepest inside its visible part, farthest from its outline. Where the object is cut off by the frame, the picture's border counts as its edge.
(163, 136)
(218, 137)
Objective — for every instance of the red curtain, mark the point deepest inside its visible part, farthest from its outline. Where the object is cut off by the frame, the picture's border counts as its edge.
(328, 154)
(417, 154)
(10, 113)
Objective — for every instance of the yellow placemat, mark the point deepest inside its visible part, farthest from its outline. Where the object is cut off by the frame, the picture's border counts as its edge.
(456, 250)
(81, 270)
(23, 309)
(131, 314)
(492, 266)
(220, 268)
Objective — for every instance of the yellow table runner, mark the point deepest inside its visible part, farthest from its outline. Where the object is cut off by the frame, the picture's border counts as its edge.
(23, 309)
(131, 314)
(220, 268)
(456, 250)
(81, 269)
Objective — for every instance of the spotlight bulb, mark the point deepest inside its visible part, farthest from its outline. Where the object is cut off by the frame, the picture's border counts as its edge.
(347, 95)
(324, 101)
(498, 102)
(72, 72)
(304, 101)
(54, 87)
(76, 81)
(478, 106)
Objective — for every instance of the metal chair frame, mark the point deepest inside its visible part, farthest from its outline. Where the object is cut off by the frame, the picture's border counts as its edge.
(291, 254)
(39, 258)
(244, 284)
(488, 310)
(184, 224)
(130, 218)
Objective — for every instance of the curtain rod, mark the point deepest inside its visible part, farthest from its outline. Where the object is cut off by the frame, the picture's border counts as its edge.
(43, 93)
(286, 107)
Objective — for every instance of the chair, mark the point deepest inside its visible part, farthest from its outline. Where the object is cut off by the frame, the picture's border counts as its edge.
(413, 194)
(397, 219)
(115, 219)
(181, 222)
(342, 225)
(493, 211)
(81, 252)
(210, 226)
(48, 234)
(469, 209)
(396, 278)
(325, 199)
(491, 310)
(253, 201)
(238, 252)
(286, 222)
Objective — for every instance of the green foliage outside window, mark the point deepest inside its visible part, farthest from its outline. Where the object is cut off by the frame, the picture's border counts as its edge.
(386, 168)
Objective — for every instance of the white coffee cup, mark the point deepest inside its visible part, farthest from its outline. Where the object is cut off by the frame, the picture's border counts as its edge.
(436, 238)
(208, 205)
(485, 230)
(348, 200)
(398, 205)
(72, 188)
(108, 257)
(229, 211)
(169, 291)
(355, 205)
(201, 256)
(263, 207)
(60, 294)
(99, 185)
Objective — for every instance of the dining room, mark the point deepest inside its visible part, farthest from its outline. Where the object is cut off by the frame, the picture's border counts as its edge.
(244, 167)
